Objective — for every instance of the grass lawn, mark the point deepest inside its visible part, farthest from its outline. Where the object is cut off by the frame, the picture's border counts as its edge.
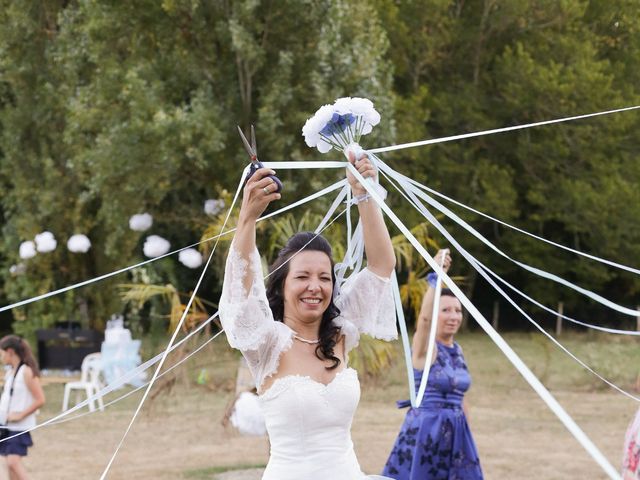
(179, 435)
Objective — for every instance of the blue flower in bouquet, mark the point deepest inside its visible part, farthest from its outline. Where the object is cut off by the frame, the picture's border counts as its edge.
(340, 125)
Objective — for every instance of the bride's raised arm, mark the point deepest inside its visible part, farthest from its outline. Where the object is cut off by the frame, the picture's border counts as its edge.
(377, 243)
(366, 299)
(244, 309)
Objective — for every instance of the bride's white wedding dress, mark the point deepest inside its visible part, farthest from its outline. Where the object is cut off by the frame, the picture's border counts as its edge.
(309, 423)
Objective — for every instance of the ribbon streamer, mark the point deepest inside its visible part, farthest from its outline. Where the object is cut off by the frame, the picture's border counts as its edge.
(178, 327)
(431, 342)
(541, 273)
(309, 198)
(480, 267)
(525, 232)
(546, 396)
(451, 138)
(175, 332)
(134, 373)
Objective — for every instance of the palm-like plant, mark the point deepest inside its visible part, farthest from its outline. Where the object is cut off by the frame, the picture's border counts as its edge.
(284, 227)
(140, 293)
(410, 263)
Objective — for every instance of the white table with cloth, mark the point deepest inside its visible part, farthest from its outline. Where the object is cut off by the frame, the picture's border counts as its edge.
(120, 354)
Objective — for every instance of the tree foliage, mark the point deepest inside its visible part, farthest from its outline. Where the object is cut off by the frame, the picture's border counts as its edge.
(108, 109)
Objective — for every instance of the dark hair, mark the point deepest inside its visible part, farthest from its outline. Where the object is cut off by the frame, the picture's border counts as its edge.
(445, 292)
(278, 272)
(22, 350)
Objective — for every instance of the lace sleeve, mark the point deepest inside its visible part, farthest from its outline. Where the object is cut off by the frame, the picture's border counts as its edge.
(366, 301)
(247, 318)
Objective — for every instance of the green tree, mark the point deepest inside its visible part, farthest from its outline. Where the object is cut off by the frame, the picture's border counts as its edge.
(463, 67)
(110, 109)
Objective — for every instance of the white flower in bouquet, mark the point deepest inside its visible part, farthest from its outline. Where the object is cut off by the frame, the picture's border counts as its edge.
(190, 258)
(213, 207)
(45, 242)
(79, 243)
(18, 269)
(154, 246)
(27, 250)
(340, 125)
(140, 222)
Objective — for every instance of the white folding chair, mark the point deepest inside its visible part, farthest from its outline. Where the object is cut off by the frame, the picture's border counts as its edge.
(89, 381)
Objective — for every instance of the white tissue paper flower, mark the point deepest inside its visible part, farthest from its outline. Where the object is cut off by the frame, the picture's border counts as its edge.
(247, 415)
(140, 222)
(18, 269)
(190, 258)
(213, 207)
(79, 243)
(341, 124)
(27, 250)
(314, 125)
(154, 246)
(45, 242)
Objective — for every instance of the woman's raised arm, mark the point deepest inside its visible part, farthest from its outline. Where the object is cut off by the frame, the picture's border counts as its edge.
(423, 322)
(377, 243)
(259, 191)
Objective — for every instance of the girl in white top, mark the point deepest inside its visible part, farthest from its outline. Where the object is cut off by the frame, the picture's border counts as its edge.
(296, 337)
(21, 397)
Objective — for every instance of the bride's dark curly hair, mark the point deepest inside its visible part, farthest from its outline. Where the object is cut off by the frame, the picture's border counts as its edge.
(329, 332)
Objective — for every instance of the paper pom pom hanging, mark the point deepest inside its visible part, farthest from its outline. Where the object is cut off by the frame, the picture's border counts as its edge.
(140, 222)
(213, 207)
(18, 269)
(79, 243)
(45, 242)
(154, 246)
(190, 258)
(27, 250)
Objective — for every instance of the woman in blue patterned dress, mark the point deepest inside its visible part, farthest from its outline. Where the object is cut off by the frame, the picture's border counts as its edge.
(435, 442)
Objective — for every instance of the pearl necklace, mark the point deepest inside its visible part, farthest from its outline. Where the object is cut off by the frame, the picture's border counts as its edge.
(304, 340)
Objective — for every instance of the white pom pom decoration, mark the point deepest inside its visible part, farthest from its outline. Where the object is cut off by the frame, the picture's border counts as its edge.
(79, 243)
(18, 269)
(45, 242)
(140, 222)
(27, 250)
(190, 258)
(154, 246)
(212, 206)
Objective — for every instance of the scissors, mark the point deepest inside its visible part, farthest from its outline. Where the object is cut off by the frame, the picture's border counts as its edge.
(253, 154)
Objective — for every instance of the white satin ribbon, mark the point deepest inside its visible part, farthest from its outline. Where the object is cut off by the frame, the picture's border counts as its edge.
(541, 273)
(525, 232)
(175, 333)
(302, 201)
(135, 373)
(120, 381)
(483, 270)
(131, 392)
(451, 138)
(431, 342)
(551, 402)
(404, 335)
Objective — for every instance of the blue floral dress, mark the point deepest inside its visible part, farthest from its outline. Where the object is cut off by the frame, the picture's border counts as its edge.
(435, 442)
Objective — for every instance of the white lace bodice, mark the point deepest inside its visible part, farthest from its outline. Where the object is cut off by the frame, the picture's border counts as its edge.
(365, 302)
(309, 426)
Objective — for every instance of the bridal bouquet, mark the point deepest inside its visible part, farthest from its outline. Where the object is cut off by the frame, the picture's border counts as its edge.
(341, 125)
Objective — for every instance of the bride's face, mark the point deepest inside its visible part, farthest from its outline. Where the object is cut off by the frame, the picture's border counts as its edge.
(308, 287)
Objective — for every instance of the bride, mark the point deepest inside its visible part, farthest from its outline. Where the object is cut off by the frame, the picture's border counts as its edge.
(296, 337)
